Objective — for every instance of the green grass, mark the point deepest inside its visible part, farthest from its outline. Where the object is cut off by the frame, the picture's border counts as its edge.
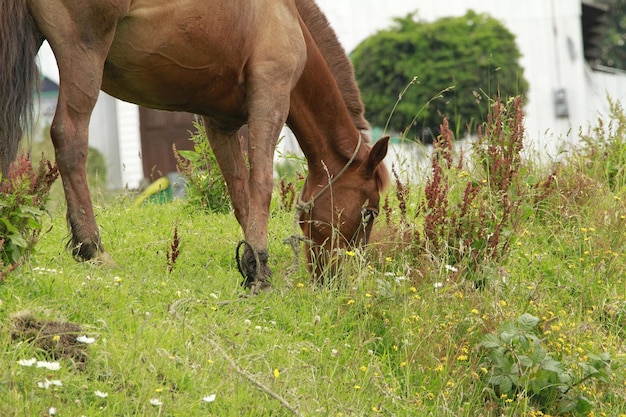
(397, 334)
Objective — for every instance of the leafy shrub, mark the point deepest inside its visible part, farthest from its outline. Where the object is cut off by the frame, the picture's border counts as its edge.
(475, 54)
(23, 196)
(206, 187)
(518, 364)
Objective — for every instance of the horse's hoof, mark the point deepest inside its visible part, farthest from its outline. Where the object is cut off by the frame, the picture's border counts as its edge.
(256, 275)
(103, 259)
(258, 286)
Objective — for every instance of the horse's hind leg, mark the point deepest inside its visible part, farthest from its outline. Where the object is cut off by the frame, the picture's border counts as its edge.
(81, 48)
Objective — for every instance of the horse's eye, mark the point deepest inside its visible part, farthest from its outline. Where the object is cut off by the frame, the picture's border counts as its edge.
(369, 215)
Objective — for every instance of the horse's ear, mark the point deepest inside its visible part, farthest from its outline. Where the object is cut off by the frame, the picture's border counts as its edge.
(377, 154)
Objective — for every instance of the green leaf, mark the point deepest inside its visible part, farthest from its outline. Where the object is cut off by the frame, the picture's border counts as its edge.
(490, 341)
(528, 321)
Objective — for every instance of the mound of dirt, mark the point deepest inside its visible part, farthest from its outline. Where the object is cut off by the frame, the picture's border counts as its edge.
(57, 339)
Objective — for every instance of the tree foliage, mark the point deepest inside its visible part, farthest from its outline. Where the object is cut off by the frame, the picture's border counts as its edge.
(455, 62)
(614, 47)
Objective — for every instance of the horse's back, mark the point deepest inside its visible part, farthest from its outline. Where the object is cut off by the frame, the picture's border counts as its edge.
(195, 55)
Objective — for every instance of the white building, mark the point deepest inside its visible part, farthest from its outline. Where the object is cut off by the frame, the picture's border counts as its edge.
(554, 37)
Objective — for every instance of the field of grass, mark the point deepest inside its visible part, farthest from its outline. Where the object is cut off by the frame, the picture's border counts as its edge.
(401, 332)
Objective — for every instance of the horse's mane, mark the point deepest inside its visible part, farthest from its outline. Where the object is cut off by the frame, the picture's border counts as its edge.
(336, 59)
(341, 68)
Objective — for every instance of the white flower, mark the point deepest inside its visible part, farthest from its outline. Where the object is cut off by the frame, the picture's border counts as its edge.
(438, 284)
(47, 383)
(51, 366)
(156, 402)
(27, 362)
(209, 398)
(85, 339)
(101, 394)
(451, 268)
(52, 411)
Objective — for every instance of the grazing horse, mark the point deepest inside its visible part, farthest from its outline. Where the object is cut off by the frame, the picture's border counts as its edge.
(261, 62)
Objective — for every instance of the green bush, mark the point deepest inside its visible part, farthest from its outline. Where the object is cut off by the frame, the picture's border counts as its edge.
(456, 61)
(518, 364)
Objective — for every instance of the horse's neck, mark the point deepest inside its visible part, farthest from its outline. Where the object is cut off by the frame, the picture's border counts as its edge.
(338, 62)
(320, 118)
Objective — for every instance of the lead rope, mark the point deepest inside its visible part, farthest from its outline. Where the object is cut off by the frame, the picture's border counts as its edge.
(306, 207)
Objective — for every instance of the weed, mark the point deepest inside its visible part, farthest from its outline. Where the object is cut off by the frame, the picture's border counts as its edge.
(206, 187)
(518, 364)
(23, 195)
(173, 251)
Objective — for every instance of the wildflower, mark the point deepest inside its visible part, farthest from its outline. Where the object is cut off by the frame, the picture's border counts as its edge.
(502, 303)
(474, 311)
(49, 383)
(462, 358)
(56, 338)
(368, 295)
(438, 284)
(52, 411)
(350, 253)
(450, 268)
(51, 366)
(101, 394)
(85, 339)
(156, 402)
(357, 387)
(276, 373)
(334, 352)
(117, 280)
(350, 301)
(209, 398)
(299, 285)
(388, 259)
(363, 368)
(27, 362)
(450, 384)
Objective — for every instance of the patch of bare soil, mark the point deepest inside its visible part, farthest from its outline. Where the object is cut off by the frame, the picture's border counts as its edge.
(56, 339)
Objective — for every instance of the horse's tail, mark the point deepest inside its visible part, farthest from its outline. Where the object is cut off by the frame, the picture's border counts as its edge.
(338, 62)
(20, 40)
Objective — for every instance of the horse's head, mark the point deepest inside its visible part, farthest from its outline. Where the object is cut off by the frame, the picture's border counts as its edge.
(341, 210)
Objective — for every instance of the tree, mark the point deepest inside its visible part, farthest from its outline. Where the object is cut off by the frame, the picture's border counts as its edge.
(456, 62)
(613, 53)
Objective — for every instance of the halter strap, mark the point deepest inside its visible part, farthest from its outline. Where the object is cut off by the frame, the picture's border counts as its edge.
(308, 205)
(302, 206)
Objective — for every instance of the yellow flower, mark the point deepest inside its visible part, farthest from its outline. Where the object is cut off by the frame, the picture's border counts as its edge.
(350, 301)
(299, 285)
(357, 387)
(350, 253)
(502, 303)
(56, 338)
(363, 368)
(276, 373)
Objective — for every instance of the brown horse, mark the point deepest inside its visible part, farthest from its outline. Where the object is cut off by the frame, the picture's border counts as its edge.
(262, 62)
